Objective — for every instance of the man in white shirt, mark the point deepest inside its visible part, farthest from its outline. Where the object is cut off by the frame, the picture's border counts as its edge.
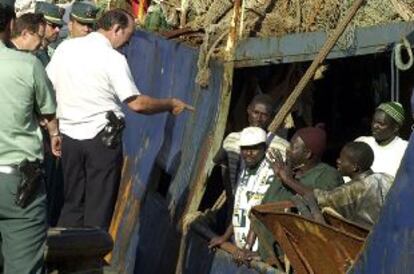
(387, 146)
(91, 78)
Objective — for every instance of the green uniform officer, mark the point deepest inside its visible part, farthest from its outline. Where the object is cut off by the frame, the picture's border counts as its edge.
(54, 22)
(26, 95)
(82, 18)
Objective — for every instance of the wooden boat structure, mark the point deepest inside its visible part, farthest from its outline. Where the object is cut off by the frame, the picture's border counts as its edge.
(171, 199)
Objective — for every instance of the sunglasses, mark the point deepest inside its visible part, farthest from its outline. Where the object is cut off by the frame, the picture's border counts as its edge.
(54, 25)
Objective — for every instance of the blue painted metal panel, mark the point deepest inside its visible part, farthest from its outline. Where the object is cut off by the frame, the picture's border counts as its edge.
(161, 68)
(390, 247)
(301, 47)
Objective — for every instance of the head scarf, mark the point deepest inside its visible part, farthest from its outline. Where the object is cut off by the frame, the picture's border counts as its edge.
(314, 139)
(393, 109)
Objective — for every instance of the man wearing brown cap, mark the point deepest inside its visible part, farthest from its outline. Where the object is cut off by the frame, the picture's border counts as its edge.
(303, 166)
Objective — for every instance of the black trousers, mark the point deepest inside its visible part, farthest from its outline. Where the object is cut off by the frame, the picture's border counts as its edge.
(91, 180)
(54, 181)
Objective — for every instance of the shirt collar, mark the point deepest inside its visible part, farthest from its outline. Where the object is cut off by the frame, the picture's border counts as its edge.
(100, 37)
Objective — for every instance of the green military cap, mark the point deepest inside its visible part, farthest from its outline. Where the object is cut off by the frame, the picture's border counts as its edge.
(84, 12)
(51, 12)
(7, 3)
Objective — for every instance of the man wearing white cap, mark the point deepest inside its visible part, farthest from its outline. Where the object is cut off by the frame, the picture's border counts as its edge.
(260, 112)
(253, 182)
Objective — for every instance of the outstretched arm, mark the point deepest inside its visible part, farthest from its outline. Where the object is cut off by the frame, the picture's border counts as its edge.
(148, 105)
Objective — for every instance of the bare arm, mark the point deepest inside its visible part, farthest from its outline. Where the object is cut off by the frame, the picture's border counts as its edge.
(217, 241)
(148, 105)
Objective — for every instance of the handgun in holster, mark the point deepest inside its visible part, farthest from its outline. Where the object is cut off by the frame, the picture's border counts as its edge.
(32, 178)
(112, 133)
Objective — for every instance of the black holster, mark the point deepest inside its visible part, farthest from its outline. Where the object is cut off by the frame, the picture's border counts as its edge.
(32, 178)
(111, 135)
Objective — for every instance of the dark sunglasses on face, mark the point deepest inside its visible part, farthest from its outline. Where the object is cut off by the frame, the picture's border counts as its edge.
(54, 25)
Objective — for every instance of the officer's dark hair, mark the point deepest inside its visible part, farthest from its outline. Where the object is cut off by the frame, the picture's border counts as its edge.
(28, 21)
(113, 17)
(6, 15)
(361, 154)
(263, 99)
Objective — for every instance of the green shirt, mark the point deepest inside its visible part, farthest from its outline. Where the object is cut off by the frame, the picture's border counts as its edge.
(25, 92)
(322, 176)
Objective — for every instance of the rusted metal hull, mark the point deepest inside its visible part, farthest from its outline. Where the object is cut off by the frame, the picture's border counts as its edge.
(167, 159)
(311, 247)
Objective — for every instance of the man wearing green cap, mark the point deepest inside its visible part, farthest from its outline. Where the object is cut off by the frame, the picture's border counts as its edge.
(26, 96)
(81, 19)
(54, 22)
(387, 146)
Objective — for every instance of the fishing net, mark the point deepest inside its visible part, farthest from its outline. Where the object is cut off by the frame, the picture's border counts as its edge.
(279, 17)
(271, 18)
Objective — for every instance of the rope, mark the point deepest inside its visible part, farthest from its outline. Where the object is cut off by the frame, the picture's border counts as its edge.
(399, 63)
(220, 201)
(204, 73)
(192, 216)
(393, 77)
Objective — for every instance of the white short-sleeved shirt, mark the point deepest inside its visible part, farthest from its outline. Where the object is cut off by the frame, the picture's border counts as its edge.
(387, 158)
(90, 78)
